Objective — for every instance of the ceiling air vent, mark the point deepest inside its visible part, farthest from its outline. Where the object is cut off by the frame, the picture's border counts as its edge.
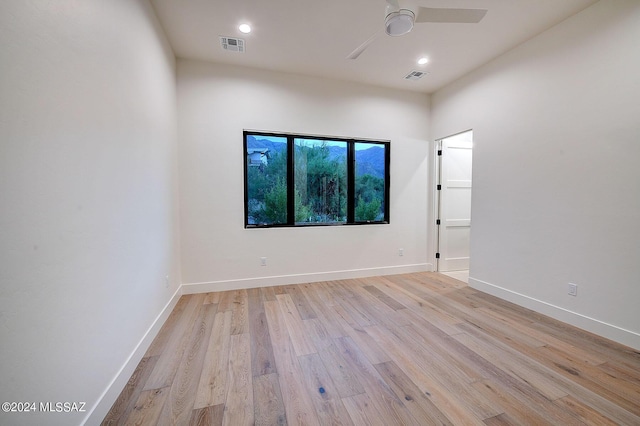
(232, 44)
(415, 75)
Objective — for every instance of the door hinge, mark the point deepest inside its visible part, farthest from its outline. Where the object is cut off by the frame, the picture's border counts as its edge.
(438, 222)
(439, 187)
(439, 152)
(437, 255)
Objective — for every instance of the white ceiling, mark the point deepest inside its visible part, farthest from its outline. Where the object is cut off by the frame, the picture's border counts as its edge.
(314, 37)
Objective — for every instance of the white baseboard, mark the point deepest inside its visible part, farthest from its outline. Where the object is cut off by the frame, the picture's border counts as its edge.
(601, 328)
(193, 288)
(98, 412)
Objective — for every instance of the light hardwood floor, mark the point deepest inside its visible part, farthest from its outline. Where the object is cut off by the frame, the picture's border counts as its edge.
(459, 275)
(415, 349)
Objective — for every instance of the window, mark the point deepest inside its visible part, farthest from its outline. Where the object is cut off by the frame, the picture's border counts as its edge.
(297, 180)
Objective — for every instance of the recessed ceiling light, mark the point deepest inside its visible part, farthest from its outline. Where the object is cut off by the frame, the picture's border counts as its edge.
(245, 28)
(423, 61)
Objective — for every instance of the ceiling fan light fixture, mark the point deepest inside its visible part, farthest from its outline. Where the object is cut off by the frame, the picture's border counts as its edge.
(399, 23)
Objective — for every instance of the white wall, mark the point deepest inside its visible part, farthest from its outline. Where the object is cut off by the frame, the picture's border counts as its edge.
(215, 104)
(556, 195)
(88, 184)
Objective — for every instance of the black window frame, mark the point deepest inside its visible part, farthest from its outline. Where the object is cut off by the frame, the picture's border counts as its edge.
(351, 180)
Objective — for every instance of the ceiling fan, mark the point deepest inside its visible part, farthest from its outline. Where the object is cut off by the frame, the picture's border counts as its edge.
(401, 15)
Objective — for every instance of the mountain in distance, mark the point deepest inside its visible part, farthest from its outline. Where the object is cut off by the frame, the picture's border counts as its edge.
(368, 161)
(255, 143)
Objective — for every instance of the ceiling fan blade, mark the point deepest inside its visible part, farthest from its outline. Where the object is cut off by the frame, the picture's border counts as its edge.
(461, 16)
(358, 51)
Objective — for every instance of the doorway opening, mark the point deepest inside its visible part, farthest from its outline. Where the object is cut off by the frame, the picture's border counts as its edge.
(453, 204)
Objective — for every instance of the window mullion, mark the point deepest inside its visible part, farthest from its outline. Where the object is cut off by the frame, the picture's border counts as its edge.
(291, 184)
(351, 181)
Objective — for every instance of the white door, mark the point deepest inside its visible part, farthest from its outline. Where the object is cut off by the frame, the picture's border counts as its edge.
(455, 202)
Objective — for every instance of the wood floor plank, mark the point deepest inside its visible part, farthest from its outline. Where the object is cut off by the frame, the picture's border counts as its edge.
(622, 356)
(239, 400)
(391, 409)
(240, 317)
(372, 350)
(621, 372)
(411, 349)
(519, 405)
(169, 360)
(381, 312)
(323, 391)
(362, 411)
(541, 365)
(466, 311)
(522, 401)
(148, 407)
(225, 301)
(178, 407)
(341, 289)
(544, 339)
(447, 349)
(418, 306)
(159, 343)
(434, 281)
(131, 392)
(262, 360)
(532, 392)
(424, 411)
(346, 382)
(413, 287)
(267, 401)
(299, 338)
(297, 402)
(513, 363)
(325, 314)
(326, 293)
(278, 290)
(452, 375)
(356, 311)
(267, 294)
(318, 334)
(417, 368)
(501, 420)
(497, 329)
(305, 310)
(621, 393)
(207, 416)
(212, 387)
(212, 298)
(585, 414)
(387, 300)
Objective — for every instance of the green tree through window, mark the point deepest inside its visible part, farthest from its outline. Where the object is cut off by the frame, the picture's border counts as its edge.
(321, 180)
(370, 183)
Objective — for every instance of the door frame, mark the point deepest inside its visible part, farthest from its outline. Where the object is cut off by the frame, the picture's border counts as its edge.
(437, 179)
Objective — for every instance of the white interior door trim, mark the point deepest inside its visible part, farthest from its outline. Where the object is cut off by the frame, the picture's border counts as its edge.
(453, 201)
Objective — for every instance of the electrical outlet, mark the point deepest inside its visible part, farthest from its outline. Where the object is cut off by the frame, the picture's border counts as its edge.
(573, 289)
(400, 252)
(166, 281)
(263, 261)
